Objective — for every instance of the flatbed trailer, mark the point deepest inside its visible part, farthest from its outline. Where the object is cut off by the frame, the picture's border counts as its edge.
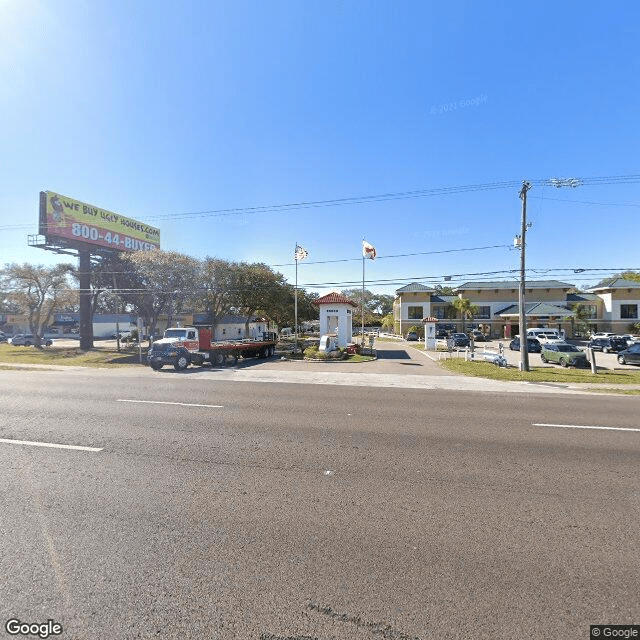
(184, 346)
(229, 351)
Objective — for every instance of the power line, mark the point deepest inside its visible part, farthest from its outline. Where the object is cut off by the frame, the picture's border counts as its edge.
(498, 276)
(382, 197)
(379, 257)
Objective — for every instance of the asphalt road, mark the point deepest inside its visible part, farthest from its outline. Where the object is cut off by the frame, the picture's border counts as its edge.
(294, 511)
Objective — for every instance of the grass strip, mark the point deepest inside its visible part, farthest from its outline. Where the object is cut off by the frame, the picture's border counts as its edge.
(99, 358)
(539, 374)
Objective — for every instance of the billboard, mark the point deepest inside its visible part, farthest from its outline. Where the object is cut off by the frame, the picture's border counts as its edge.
(65, 218)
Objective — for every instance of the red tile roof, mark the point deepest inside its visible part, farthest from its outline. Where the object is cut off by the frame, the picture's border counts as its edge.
(334, 298)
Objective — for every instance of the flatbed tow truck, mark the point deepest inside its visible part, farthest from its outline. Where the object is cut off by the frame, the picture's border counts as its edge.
(182, 346)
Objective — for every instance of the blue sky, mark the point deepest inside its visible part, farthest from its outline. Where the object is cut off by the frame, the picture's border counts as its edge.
(154, 109)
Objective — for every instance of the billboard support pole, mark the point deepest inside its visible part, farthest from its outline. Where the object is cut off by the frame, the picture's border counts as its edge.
(86, 325)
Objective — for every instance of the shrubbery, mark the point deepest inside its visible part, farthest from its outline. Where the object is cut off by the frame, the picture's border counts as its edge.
(313, 353)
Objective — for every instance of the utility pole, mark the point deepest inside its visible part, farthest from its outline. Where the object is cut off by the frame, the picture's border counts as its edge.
(117, 312)
(524, 352)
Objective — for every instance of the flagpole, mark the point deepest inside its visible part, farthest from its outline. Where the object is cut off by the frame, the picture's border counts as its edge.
(363, 293)
(295, 301)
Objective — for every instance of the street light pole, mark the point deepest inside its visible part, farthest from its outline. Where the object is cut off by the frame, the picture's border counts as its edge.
(524, 352)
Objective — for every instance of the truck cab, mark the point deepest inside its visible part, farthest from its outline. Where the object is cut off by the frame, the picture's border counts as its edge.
(187, 337)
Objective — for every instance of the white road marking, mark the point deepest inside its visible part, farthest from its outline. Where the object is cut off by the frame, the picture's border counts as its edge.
(50, 444)
(579, 426)
(182, 404)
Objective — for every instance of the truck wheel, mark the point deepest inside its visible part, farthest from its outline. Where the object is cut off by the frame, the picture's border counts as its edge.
(218, 358)
(232, 360)
(181, 363)
(196, 361)
(272, 351)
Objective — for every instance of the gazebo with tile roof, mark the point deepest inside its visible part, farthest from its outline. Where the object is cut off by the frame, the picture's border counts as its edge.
(336, 316)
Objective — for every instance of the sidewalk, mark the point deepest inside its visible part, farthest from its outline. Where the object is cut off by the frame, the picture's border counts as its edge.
(399, 365)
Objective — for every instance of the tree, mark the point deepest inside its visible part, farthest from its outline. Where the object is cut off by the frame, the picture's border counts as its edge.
(581, 317)
(160, 282)
(466, 309)
(282, 311)
(218, 280)
(108, 277)
(376, 305)
(257, 288)
(442, 290)
(388, 321)
(38, 292)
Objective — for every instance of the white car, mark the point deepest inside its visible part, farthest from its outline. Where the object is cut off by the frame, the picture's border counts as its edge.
(545, 335)
(602, 334)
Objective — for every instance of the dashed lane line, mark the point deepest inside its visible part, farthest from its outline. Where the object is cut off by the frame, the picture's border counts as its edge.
(50, 444)
(582, 426)
(181, 404)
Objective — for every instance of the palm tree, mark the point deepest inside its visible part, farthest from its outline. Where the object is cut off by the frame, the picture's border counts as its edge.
(466, 309)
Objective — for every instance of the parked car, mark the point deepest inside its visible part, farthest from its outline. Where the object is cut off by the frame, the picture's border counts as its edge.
(608, 344)
(630, 355)
(629, 338)
(442, 333)
(28, 339)
(478, 336)
(3, 337)
(458, 340)
(601, 334)
(124, 335)
(412, 336)
(533, 345)
(549, 335)
(566, 355)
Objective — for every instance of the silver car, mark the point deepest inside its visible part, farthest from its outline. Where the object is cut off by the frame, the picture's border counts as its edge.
(27, 340)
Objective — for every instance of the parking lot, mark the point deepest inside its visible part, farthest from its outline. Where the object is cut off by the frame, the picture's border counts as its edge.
(603, 360)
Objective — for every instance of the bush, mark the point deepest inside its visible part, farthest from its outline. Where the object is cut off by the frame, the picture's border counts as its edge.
(311, 352)
(417, 329)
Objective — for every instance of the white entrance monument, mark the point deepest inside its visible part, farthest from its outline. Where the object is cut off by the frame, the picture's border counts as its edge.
(430, 333)
(336, 315)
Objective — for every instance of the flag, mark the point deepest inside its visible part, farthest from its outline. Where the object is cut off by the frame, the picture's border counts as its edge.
(368, 250)
(301, 253)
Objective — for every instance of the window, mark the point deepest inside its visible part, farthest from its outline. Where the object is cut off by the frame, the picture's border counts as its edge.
(629, 311)
(414, 313)
(191, 335)
(484, 313)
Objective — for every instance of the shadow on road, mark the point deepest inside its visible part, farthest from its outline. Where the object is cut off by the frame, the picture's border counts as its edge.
(393, 354)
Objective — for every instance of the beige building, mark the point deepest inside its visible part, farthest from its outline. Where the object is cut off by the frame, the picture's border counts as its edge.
(619, 305)
(548, 303)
